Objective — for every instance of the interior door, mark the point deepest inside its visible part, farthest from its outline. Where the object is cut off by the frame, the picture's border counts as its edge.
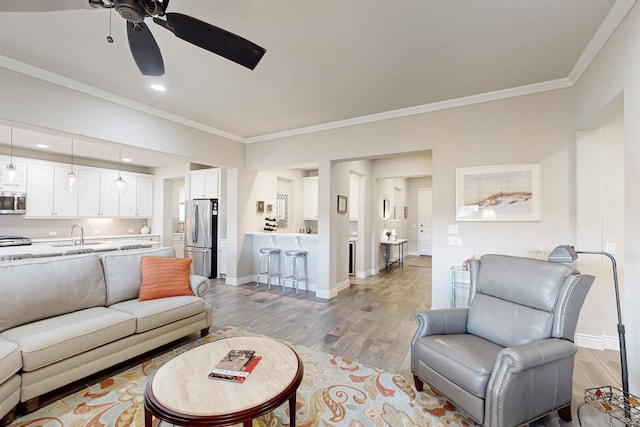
(424, 218)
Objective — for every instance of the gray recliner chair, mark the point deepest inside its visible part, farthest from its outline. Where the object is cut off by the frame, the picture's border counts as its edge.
(508, 358)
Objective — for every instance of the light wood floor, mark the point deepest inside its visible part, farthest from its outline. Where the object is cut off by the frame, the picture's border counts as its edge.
(373, 322)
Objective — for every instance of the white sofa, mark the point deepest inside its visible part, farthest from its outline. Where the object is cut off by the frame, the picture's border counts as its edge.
(64, 318)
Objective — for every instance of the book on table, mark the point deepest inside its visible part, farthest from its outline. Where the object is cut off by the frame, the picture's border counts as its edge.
(235, 366)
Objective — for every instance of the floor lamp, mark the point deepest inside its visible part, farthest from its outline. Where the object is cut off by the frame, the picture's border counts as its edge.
(567, 254)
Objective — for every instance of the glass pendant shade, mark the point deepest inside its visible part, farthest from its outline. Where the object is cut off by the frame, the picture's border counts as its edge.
(11, 176)
(119, 185)
(71, 180)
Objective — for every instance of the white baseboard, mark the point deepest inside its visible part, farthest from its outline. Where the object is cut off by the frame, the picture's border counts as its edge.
(413, 253)
(362, 274)
(238, 281)
(333, 292)
(597, 342)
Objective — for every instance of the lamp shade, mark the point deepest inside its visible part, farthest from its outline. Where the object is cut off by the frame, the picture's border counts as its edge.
(563, 253)
(70, 181)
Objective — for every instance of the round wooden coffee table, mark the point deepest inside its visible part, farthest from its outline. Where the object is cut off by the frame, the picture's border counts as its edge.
(181, 393)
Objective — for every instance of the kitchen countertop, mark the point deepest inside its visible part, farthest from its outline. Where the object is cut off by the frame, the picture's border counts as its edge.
(276, 234)
(94, 237)
(39, 251)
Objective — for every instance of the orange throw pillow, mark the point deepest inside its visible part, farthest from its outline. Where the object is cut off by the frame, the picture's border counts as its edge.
(164, 277)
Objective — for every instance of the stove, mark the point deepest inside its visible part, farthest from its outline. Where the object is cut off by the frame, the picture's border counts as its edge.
(14, 241)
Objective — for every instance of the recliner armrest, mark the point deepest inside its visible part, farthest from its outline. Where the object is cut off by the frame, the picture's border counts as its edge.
(536, 354)
(199, 284)
(441, 322)
(518, 371)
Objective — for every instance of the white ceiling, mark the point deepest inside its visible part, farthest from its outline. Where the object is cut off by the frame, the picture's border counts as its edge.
(326, 61)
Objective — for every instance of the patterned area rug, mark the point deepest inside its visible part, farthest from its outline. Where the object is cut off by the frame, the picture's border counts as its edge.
(334, 392)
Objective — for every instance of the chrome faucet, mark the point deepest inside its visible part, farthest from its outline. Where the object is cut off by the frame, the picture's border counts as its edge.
(73, 241)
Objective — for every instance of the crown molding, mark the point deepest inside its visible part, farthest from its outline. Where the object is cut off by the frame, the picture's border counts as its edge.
(48, 76)
(420, 109)
(610, 23)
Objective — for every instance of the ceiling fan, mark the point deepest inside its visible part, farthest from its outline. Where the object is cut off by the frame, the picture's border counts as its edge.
(144, 48)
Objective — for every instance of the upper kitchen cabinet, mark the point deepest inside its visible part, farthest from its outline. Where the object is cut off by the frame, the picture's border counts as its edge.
(93, 197)
(137, 201)
(46, 196)
(205, 184)
(310, 198)
(22, 167)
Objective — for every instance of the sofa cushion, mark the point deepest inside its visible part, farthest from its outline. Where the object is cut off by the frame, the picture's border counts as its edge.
(41, 288)
(50, 340)
(164, 277)
(10, 359)
(465, 359)
(122, 272)
(158, 312)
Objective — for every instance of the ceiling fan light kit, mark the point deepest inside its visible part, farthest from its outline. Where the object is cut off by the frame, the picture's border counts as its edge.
(10, 175)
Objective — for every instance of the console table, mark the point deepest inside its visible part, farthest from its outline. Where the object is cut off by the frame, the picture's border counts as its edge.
(387, 245)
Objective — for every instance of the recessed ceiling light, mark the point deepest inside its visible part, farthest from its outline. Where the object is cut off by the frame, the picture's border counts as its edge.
(126, 159)
(42, 146)
(158, 87)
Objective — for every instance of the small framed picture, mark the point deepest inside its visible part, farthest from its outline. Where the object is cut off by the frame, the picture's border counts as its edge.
(269, 208)
(342, 204)
(260, 206)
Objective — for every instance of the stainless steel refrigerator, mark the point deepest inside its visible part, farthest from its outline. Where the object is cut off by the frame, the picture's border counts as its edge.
(201, 236)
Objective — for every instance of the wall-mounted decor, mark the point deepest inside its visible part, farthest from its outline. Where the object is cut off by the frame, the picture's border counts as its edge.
(406, 212)
(499, 193)
(269, 208)
(342, 204)
(260, 206)
(386, 208)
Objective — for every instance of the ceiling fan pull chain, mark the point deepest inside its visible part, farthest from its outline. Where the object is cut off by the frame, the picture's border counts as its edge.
(109, 38)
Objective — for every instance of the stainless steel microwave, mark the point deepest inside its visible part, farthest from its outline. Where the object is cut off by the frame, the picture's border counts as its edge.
(13, 203)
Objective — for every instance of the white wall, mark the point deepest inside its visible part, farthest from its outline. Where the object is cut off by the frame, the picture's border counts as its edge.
(534, 128)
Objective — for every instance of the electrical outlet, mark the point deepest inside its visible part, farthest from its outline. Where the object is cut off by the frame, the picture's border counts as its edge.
(131, 230)
(96, 231)
(453, 229)
(455, 241)
(53, 233)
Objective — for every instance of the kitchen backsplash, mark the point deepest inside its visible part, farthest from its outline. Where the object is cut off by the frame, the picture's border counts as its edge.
(16, 225)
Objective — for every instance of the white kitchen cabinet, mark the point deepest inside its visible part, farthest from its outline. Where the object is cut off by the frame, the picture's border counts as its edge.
(46, 196)
(310, 198)
(137, 201)
(354, 187)
(144, 203)
(89, 193)
(109, 201)
(205, 184)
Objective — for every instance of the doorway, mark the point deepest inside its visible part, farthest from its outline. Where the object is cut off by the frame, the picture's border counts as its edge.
(425, 233)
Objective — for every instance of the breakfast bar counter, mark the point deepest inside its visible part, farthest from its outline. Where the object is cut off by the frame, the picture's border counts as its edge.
(285, 242)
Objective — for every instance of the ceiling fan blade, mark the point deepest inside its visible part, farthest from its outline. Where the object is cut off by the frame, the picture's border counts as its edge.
(144, 49)
(42, 5)
(213, 39)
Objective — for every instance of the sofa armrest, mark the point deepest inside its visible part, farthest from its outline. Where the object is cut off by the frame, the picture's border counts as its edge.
(199, 284)
(441, 322)
(520, 369)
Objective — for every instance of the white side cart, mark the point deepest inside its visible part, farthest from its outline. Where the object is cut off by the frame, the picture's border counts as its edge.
(459, 280)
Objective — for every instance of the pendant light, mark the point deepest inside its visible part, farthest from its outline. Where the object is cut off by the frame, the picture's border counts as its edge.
(10, 175)
(119, 185)
(71, 180)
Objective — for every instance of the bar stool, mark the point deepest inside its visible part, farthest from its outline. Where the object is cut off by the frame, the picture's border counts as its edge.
(291, 260)
(269, 254)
